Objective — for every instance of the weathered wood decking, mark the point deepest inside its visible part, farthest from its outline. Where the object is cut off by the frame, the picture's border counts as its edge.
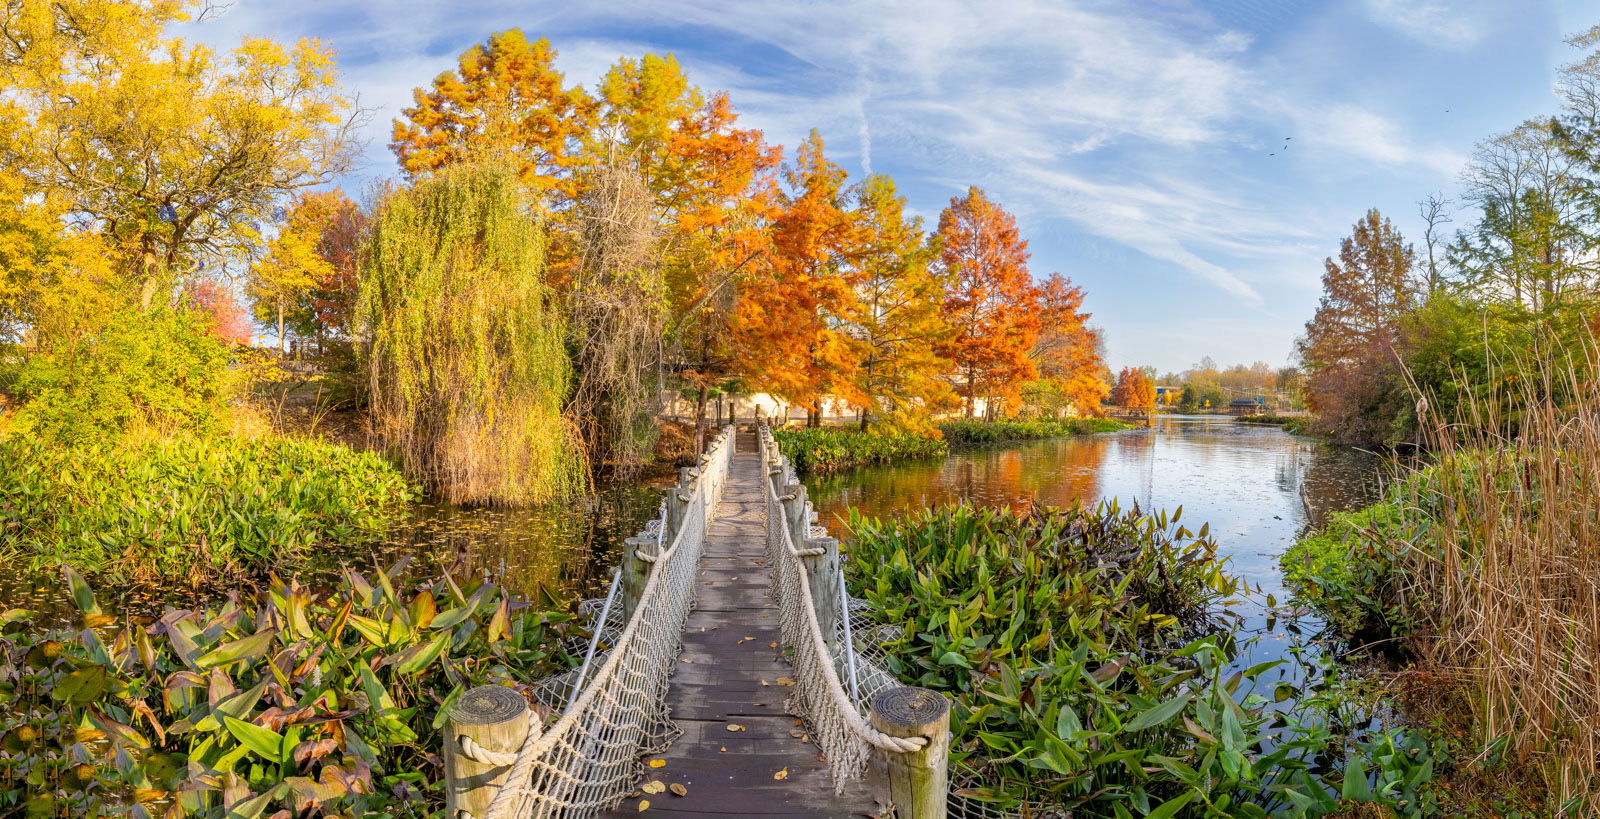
(728, 655)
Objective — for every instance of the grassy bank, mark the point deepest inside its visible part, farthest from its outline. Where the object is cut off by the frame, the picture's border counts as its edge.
(1087, 655)
(189, 508)
(1483, 565)
(986, 432)
(1295, 425)
(283, 702)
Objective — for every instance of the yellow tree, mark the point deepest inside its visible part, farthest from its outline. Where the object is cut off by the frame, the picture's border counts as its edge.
(504, 103)
(711, 194)
(293, 264)
(171, 151)
(895, 323)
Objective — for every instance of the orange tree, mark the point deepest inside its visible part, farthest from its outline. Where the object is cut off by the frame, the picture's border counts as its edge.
(991, 301)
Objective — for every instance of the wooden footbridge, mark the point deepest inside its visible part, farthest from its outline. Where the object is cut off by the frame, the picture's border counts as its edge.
(722, 679)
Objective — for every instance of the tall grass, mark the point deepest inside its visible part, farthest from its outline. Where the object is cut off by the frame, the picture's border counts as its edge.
(1485, 560)
(189, 509)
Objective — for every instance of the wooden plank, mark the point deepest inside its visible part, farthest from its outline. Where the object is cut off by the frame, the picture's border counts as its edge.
(729, 675)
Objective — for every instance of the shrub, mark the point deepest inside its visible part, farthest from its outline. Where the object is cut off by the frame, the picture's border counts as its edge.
(285, 701)
(1089, 669)
(819, 450)
(161, 370)
(1346, 570)
(190, 508)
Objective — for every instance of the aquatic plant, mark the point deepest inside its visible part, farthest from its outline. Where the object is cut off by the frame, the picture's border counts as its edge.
(819, 450)
(1346, 571)
(985, 432)
(285, 701)
(1087, 652)
(467, 362)
(190, 509)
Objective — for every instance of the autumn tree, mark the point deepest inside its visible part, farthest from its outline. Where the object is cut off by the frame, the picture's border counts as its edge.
(991, 301)
(1134, 390)
(1349, 347)
(789, 325)
(171, 151)
(1068, 351)
(505, 102)
(712, 196)
(292, 266)
(225, 317)
(894, 324)
(330, 303)
(466, 351)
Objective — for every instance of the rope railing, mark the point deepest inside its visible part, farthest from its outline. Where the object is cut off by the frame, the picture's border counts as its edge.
(854, 708)
(586, 760)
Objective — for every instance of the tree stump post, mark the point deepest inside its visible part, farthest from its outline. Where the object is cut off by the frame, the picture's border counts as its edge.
(496, 718)
(915, 785)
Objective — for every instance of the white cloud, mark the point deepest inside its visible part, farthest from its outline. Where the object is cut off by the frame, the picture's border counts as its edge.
(1435, 22)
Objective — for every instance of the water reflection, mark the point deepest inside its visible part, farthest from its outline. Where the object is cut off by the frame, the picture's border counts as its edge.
(1257, 487)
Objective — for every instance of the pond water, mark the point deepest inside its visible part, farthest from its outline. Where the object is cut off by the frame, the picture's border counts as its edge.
(554, 555)
(1256, 485)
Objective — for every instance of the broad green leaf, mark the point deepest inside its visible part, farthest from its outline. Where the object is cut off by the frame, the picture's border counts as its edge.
(264, 741)
(81, 687)
(246, 648)
(1159, 714)
(1170, 808)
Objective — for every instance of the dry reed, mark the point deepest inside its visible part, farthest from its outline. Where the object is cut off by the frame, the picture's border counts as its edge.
(1503, 572)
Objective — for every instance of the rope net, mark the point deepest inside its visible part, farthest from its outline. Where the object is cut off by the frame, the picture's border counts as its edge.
(587, 759)
(836, 678)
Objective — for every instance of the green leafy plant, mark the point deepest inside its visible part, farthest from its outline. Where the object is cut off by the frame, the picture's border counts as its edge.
(1089, 662)
(190, 508)
(1346, 570)
(820, 450)
(285, 701)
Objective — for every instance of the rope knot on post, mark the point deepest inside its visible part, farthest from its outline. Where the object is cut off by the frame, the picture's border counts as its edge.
(487, 727)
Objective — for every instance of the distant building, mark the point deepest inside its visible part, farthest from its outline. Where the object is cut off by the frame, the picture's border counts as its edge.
(1246, 406)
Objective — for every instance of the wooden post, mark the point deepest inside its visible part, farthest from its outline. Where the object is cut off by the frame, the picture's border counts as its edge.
(822, 572)
(495, 717)
(917, 784)
(635, 570)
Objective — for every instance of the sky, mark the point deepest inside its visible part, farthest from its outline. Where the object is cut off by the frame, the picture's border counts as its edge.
(1140, 143)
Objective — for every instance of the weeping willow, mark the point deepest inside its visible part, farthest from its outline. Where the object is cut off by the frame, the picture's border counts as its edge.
(466, 351)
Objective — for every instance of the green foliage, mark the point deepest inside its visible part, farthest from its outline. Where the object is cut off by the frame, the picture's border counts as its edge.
(160, 370)
(819, 450)
(190, 507)
(468, 364)
(1346, 570)
(986, 432)
(1090, 670)
(285, 701)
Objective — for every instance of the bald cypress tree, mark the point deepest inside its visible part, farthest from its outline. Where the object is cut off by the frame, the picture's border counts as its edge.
(466, 348)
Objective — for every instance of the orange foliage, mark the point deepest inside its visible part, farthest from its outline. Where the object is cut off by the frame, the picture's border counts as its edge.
(1134, 390)
(787, 322)
(504, 102)
(1068, 349)
(992, 302)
